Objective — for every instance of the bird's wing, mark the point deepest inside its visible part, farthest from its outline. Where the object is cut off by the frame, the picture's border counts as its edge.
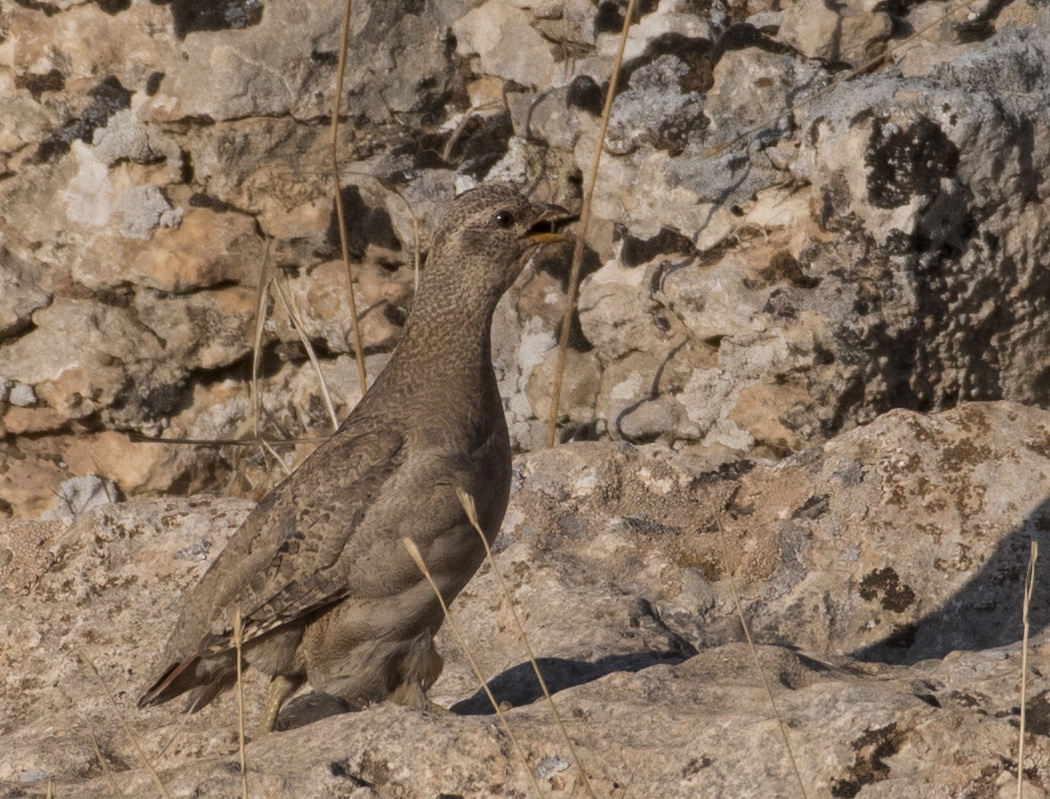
(281, 564)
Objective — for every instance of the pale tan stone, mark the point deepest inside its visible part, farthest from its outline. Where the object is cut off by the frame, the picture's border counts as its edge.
(208, 248)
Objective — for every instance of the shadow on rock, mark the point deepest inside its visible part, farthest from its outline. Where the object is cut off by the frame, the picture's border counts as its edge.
(986, 612)
(518, 685)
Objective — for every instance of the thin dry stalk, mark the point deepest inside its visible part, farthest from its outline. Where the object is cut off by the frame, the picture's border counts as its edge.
(179, 728)
(758, 664)
(446, 151)
(102, 761)
(273, 453)
(1029, 587)
(292, 307)
(344, 44)
(720, 148)
(237, 643)
(390, 187)
(50, 788)
(255, 401)
(472, 513)
(581, 234)
(127, 730)
(416, 556)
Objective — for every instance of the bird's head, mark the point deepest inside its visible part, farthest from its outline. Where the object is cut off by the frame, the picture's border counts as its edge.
(490, 232)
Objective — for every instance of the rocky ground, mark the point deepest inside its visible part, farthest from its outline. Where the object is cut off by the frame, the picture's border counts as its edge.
(809, 361)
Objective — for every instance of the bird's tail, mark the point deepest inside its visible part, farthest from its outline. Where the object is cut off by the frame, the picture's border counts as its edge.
(182, 676)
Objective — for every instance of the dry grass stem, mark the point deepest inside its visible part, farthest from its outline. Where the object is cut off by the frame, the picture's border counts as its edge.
(390, 187)
(179, 728)
(416, 556)
(446, 151)
(1029, 587)
(102, 761)
(292, 307)
(344, 44)
(237, 641)
(758, 664)
(147, 764)
(720, 148)
(273, 454)
(472, 513)
(255, 394)
(581, 233)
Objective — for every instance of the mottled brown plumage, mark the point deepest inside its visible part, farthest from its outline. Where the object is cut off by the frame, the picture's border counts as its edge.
(326, 590)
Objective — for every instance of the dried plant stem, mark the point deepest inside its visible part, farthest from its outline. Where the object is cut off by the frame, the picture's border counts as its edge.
(273, 453)
(472, 513)
(1029, 587)
(237, 644)
(127, 730)
(388, 186)
(581, 234)
(416, 556)
(102, 761)
(290, 305)
(758, 664)
(344, 44)
(255, 394)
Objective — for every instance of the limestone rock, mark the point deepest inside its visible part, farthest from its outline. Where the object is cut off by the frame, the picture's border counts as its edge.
(19, 295)
(853, 33)
(500, 35)
(620, 576)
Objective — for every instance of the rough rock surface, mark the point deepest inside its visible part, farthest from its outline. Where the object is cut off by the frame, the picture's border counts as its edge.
(810, 353)
(881, 574)
(881, 246)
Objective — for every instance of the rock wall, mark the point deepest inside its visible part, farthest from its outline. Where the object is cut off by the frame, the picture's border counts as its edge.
(797, 282)
(880, 246)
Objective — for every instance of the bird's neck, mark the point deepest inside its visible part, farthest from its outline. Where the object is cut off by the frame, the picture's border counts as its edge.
(445, 349)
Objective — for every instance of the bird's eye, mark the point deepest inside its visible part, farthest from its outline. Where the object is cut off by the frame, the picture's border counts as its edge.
(504, 219)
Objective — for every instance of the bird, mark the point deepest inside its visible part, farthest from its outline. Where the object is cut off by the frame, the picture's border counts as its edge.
(318, 573)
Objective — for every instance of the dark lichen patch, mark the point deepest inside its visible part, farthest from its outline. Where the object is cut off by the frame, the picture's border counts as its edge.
(873, 748)
(48, 9)
(885, 586)
(114, 7)
(963, 455)
(610, 16)
(107, 98)
(696, 765)
(783, 267)
(36, 85)
(207, 15)
(153, 83)
(584, 93)
(1037, 715)
(813, 508)
(377, 772)
(907, 162)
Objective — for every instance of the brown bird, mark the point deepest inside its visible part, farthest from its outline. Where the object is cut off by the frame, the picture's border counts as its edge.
(326, 590)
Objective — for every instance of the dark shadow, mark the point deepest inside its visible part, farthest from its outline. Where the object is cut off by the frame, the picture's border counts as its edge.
(518, 685)
(986, 612)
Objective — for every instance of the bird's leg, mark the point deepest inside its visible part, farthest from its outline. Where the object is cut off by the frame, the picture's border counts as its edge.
(281, 687)
(411, 694)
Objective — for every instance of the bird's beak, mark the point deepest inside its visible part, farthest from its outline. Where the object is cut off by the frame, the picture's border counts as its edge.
(539, 231)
